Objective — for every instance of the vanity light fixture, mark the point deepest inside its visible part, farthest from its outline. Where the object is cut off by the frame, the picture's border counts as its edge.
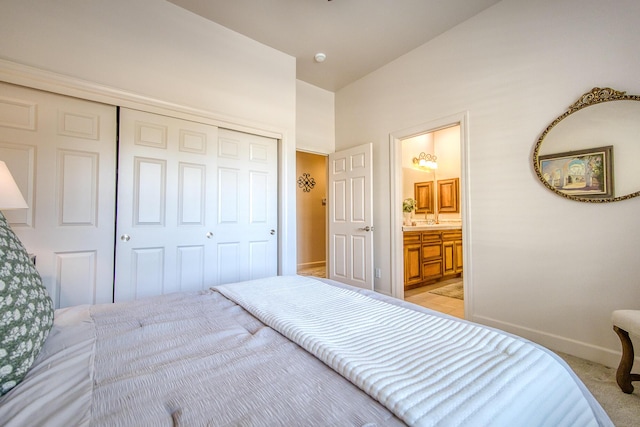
(425, 162)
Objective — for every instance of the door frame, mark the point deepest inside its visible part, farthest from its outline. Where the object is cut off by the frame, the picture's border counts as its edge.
(395, 175)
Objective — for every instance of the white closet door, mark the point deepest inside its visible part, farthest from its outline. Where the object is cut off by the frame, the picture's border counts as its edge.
(62, 153)
(166, 205)
(197, 206)
(246, 227)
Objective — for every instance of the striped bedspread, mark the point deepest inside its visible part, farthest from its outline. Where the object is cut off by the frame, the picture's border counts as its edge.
(428, 370)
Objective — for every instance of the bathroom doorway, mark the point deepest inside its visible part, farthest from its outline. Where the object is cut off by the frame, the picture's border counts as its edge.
(429, 252)
(432, 230)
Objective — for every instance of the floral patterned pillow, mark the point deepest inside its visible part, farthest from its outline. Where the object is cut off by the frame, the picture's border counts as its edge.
(26, 310)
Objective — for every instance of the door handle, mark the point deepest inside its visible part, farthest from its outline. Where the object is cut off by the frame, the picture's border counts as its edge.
(125, 237)
(209, 235)
(367, 228)
(272, 232)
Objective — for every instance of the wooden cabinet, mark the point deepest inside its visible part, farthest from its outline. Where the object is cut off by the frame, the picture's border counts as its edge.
(449, 195)
(412, 257)
(452, 252)
(431, 255)
(423, 193)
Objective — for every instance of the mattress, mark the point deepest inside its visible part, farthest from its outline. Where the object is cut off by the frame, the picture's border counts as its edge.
(248, 354)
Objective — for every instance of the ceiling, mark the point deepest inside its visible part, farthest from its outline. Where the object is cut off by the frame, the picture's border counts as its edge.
(357, 36)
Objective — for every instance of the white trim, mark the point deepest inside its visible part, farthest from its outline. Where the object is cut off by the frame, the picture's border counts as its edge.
(602, 355)
(395, 165)
(24, 75)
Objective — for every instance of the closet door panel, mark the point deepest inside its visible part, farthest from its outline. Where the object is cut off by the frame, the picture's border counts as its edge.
(62, 153)
(166, 205)
(246, 229)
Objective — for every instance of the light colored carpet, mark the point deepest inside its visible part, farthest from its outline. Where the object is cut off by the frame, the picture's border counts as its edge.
(453, 290)
(623, 409)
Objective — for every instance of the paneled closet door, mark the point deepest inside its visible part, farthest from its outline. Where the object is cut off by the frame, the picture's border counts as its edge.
(62, 153)
(197, 206)
(166, 205)
(247, 216)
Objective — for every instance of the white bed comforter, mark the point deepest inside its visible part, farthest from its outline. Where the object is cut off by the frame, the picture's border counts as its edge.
(428, 370)
(195, 359)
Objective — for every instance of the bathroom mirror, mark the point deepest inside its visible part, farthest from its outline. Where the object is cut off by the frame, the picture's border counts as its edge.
(590, 152)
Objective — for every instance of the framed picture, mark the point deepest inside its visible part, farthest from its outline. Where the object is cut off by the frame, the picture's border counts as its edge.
(581, 173)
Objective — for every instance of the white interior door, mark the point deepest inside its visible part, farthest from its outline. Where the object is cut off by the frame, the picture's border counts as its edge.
(62, 154)
(351, 216)
(197, 206)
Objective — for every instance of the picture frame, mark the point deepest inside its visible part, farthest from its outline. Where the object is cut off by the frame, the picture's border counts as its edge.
(584, 173)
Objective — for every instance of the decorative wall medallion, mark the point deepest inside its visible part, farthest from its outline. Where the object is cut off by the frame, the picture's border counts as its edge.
(306, 182)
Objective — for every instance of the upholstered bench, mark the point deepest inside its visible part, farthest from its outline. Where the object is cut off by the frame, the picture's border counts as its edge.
(626, 322)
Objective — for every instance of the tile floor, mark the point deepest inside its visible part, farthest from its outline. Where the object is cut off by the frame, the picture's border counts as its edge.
(419, 296)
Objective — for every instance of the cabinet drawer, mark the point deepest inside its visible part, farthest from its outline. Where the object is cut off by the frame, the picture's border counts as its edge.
(431, 251)
(432, 270)
(452, 235)
(431, 237)
(410, 238)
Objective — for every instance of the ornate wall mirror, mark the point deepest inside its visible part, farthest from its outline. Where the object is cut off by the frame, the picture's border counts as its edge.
(590, 152)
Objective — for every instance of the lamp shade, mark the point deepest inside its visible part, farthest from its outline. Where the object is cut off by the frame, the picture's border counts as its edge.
(10, 195)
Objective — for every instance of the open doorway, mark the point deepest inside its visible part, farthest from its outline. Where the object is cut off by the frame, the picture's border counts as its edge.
(432, 229)
(311, 214)
(430, 252)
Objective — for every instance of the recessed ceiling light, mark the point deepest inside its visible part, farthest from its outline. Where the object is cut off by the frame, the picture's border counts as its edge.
(320, 57)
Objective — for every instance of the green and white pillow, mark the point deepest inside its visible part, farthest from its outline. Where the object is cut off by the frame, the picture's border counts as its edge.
(26, 310)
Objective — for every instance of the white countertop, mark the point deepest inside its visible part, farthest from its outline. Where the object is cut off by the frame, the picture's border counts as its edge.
(432, 227)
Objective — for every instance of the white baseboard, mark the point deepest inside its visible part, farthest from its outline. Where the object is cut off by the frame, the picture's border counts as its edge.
(314, 264)
(553, 342)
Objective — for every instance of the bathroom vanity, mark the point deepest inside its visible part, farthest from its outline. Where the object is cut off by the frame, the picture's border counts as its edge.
(431, 253)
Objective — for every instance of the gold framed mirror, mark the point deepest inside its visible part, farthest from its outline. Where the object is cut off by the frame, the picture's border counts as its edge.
(590, 152)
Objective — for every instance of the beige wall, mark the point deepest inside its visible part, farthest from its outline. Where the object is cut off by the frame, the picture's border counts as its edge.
(541, 266)
(311, 212)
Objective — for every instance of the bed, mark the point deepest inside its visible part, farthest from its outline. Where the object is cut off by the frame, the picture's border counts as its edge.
(285, 350)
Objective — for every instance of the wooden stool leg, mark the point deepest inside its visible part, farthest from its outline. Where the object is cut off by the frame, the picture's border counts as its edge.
(623, 375)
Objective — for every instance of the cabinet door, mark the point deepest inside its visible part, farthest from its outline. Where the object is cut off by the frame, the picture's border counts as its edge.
(423, 193)
(449, 195)
(449, 265)
(412, 271)
(457, 256)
